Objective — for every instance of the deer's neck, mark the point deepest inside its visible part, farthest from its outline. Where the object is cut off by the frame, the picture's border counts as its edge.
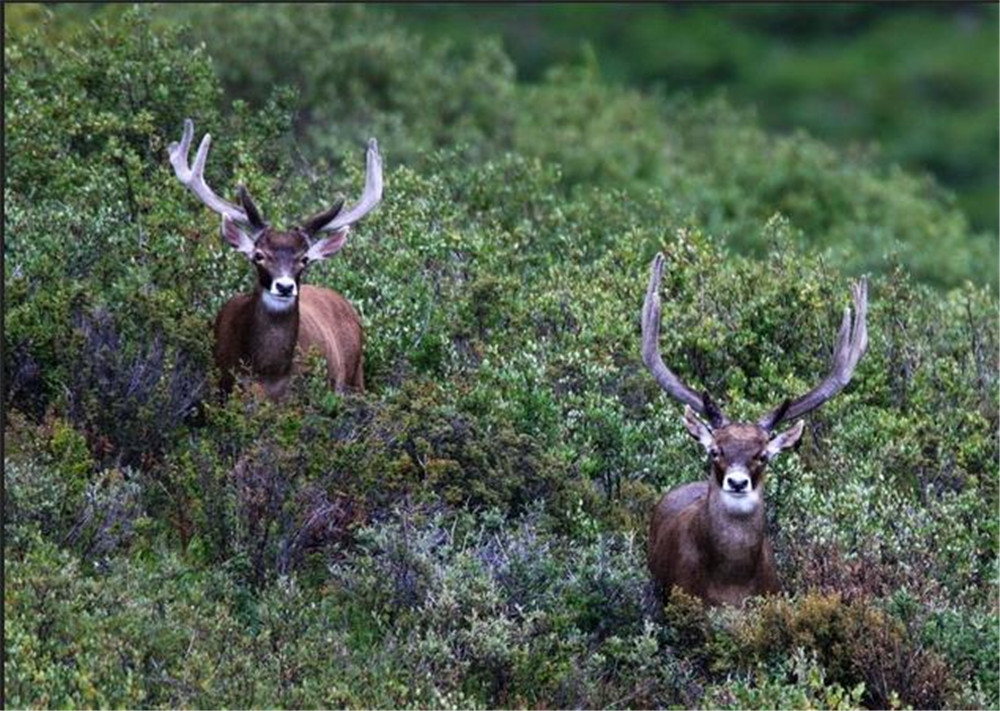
(273, 337)
(734, 541)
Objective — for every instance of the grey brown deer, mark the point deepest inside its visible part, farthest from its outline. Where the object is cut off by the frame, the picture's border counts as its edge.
(263, 332)
(709, 537)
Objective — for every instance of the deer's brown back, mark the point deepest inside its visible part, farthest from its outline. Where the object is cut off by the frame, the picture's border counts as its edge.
(328, 323)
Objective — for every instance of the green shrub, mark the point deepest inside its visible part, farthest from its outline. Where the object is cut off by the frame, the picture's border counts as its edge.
(846, 73)
(712, 160)
(470, 530)
(808, 688)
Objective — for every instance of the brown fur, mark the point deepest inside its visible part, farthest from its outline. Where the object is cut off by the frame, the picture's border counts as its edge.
(270, 345)
(709, 538)
(695, 544)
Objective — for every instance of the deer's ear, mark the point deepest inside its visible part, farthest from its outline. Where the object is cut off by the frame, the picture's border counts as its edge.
(781, 442)
(328, 246)
(698, 429)
(237, 238)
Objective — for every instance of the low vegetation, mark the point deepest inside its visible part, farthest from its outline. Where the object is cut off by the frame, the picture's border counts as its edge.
(470, 532)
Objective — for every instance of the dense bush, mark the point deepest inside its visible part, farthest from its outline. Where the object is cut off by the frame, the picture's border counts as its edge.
(920, 79)
(712, 161)
(470, 531)
(709, 159)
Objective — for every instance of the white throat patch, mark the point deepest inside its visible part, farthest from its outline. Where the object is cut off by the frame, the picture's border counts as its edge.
(275, 303)
(740, 504)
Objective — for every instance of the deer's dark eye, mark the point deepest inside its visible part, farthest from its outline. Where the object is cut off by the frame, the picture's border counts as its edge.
(258, 257)
(305, 261)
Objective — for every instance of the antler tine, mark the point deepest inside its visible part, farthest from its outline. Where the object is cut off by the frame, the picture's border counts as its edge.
(315, 223)
(250, 209)
(851, 343)
(194, 178)
(369, 198)
(702, 404)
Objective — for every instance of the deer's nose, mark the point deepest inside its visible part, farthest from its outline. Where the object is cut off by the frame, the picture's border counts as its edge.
(284, 287)
(737, 484)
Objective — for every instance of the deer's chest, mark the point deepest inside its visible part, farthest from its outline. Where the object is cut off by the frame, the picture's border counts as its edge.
(270, 349)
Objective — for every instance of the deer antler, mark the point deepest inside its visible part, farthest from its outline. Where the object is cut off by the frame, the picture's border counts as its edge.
(702, 404)
(194, 178)
(369, 198)
(852, 340)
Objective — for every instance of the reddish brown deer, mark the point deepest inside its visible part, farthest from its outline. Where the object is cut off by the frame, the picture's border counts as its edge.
(708, 537)
(263, 332)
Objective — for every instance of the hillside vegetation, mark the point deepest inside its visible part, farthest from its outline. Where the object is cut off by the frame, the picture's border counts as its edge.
(470, 532)
(919, 80)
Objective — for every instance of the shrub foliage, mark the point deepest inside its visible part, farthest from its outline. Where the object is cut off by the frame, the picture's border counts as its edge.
(470, 532)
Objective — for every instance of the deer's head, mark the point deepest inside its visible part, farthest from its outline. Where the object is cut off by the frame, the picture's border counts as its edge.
(280, 257)
(739, 452)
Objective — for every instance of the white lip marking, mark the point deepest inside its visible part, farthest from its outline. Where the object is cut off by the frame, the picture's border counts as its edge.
(740, 504)
(273, 302)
